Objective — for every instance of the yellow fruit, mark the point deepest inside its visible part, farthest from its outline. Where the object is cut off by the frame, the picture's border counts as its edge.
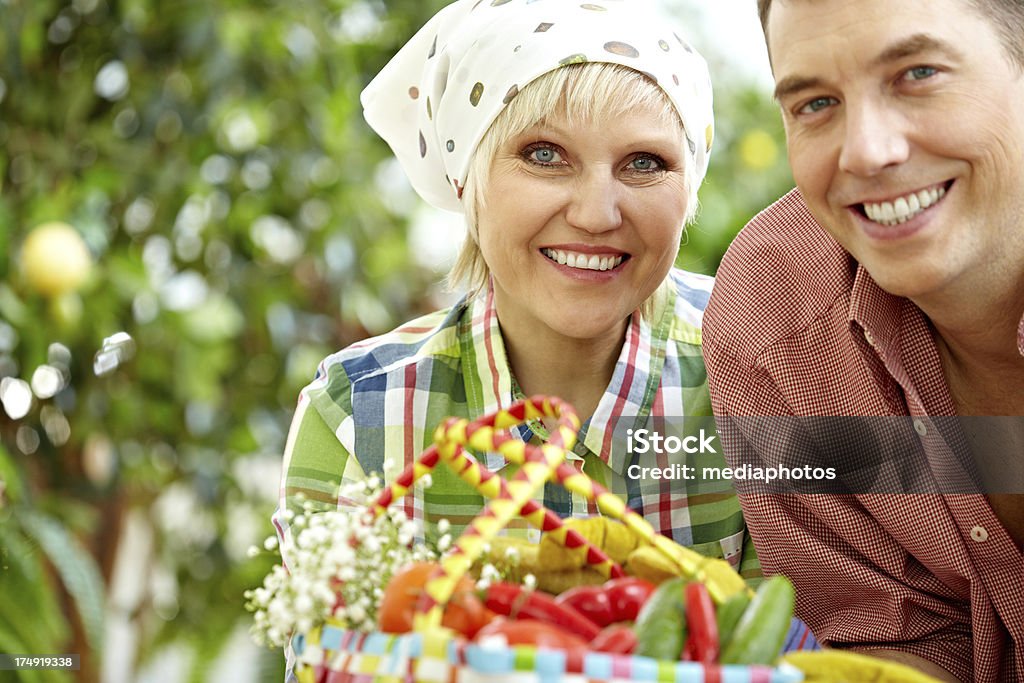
(54, 259)
(758, 150)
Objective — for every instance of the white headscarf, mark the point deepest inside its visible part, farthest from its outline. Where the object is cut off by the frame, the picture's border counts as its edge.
(434, 101)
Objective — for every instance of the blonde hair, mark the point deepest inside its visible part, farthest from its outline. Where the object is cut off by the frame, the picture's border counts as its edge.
(587, 92)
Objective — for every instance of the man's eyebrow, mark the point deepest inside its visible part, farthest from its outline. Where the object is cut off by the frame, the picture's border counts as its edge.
(916, 44)
(794, 84)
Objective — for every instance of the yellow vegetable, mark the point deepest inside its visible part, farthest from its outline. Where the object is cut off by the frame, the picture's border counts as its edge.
(842, 666)
(611, 536)
(655, 565)
(650, 564)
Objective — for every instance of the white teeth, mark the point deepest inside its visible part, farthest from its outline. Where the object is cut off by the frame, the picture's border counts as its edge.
(904, 208)
(582, 261)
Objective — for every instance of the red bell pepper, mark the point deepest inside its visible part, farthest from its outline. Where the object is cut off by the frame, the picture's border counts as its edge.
(617, 639)
(627, 595)
(701, 623)
(591, 601)
(513, 601)
(539, 635)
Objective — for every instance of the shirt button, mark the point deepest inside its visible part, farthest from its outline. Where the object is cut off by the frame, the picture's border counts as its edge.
(869, 337)
(979, 534)
(920, 428)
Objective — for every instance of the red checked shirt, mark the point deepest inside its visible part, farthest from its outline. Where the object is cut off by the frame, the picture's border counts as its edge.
(796, 327)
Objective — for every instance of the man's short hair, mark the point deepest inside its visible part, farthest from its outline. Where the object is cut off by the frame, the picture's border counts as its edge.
(1006, 15)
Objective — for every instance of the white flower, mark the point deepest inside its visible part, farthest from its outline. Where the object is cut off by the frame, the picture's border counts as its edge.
(303, 603)
(356, 613)
(489, 572)
(339, 562)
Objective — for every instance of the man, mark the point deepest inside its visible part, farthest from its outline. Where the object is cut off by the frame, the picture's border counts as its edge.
(891, 282)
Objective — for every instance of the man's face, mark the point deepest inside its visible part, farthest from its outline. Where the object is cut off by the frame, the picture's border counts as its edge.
(905, 128)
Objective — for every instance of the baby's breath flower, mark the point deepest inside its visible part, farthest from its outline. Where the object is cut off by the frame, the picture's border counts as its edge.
(338, 563)
(490, 572)
(530, 581)
(444, 542)
(356, 613)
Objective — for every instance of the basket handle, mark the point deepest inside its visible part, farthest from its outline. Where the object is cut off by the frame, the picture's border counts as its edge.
(492, 485)
(538, 464)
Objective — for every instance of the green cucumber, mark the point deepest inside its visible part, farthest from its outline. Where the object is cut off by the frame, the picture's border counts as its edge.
(661, 624)
(762, 629)
(728, 616)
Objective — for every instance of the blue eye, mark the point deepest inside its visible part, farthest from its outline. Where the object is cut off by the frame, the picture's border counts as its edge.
(646, 163)
(543, 155)
(919, 73)
(816, 105)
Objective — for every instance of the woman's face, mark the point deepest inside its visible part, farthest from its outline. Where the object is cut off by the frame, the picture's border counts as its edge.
(582, 221)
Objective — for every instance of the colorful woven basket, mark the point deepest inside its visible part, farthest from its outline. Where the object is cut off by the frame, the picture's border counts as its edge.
(434, 654)
(350, 657)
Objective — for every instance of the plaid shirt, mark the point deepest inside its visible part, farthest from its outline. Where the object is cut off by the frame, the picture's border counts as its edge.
(373, 407)
(797, 327)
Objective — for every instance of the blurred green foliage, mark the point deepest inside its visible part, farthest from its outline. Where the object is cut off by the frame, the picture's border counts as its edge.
(244, 222)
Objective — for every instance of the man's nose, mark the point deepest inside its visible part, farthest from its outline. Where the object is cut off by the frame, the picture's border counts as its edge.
(874, 139)
(594, 206)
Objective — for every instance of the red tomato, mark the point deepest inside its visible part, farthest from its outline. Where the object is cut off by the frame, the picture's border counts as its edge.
(465, 612)
(590, 601)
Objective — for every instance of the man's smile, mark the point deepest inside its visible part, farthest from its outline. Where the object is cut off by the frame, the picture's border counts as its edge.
(901, 209)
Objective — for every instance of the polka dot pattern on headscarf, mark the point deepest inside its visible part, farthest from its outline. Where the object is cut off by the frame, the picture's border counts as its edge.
(435, 99)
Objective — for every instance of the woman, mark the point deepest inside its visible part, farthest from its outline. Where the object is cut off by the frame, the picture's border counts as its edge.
(574, 138)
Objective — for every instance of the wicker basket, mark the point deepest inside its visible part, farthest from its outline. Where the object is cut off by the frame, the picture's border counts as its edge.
(435, 655)
(439, 657)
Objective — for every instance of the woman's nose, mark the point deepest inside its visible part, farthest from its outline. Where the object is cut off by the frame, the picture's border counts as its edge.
(594, 206)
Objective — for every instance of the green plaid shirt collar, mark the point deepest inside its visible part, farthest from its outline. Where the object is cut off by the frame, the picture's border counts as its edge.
(632, 392)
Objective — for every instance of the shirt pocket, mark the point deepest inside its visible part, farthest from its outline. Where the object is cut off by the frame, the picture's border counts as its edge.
(729, 548)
